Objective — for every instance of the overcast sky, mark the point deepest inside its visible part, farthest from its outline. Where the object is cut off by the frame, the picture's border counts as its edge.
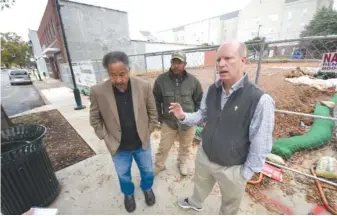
(150, 15)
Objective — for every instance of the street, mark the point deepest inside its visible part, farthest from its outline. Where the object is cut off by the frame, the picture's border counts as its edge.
(18, 98)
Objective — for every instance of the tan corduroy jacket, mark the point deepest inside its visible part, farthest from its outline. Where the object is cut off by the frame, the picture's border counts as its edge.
(104, 114)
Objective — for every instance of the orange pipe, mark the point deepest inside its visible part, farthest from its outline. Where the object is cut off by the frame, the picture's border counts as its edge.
(321, 193)
(259, 180)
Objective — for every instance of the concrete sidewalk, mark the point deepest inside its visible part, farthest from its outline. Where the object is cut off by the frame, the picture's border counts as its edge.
(91, 186)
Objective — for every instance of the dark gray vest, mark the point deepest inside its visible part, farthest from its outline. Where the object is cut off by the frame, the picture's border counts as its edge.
(225, 138)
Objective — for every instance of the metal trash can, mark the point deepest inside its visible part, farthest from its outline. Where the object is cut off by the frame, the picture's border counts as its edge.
(27, 176)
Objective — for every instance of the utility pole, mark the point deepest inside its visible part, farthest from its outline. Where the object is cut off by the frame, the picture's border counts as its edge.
(5, 121)
(30, 44)
(77, 93)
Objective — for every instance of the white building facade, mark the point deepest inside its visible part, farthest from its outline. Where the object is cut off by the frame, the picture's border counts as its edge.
(273, 19)
(209, 31)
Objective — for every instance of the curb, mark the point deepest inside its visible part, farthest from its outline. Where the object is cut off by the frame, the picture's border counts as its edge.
(44, 99)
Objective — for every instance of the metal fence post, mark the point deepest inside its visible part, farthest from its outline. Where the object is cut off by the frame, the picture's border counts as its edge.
(263, 41)
(162, 63)
(145, 63)
(97, 72)
(215, 74)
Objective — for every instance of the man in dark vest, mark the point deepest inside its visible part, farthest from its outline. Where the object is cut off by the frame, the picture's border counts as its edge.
(237, 137)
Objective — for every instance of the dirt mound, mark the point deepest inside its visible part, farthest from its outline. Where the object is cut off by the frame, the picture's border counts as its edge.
(291, 97)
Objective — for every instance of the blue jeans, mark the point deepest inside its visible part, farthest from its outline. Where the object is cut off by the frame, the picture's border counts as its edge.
(123, 162)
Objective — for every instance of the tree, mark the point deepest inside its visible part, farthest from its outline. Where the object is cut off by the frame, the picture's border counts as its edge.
(14, 51)
(323, 23)
(254, 45)
(6, 3)
(5, 121)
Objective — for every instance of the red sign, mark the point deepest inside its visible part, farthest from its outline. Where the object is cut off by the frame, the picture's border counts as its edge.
(329, 62)
(273, 172)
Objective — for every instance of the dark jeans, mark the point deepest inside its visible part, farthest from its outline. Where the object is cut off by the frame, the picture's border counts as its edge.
(123, 161)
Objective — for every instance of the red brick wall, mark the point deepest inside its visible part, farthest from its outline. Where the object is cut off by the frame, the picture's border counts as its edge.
(50, 30)
(210, 58)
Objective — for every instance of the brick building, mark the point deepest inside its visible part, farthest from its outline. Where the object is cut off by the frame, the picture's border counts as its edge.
(51, 41)
(91, 31)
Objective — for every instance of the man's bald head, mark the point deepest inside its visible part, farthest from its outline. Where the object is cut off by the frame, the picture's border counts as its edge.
(240, 47)
(231, 60)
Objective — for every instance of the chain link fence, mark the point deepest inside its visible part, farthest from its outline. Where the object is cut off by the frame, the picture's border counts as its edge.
(263, 57)
(305, 53)
(268, 64)
(201, 62)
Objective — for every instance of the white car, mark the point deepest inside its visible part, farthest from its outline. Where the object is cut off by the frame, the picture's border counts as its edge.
(19, 76)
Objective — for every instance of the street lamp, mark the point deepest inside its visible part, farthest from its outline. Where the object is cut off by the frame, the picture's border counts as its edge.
(77, 94)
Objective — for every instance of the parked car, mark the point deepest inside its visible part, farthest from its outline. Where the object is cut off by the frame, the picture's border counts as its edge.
(19, 76)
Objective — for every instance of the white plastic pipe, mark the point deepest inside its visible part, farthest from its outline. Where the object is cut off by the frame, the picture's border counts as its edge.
(305, 114)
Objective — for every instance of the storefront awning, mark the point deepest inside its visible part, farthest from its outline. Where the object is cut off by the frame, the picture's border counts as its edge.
(49, 52)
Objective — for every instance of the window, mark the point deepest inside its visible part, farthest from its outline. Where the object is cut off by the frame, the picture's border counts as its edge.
(288, 27)
(304, 12)
(48, 33)
(51, 32)
(48, 36)
(181, 38)
(256, 21)
(273, 17)
(45, 37)
(53, 28)
(290, 15)
(19, 72)
(272, 30)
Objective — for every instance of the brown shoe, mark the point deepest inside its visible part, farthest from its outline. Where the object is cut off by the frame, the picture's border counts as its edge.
(157, 170)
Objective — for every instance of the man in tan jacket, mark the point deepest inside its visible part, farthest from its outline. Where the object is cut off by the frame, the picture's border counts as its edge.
(123, 114)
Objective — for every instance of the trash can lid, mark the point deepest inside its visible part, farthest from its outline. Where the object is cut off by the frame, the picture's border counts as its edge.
(20, 141)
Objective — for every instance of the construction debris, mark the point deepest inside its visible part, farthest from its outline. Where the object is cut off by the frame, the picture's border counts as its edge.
(276, 159)
(273, 172)
(327, 167)
(298, 72)
(314, 82)
(305, 174)
(329, 104)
